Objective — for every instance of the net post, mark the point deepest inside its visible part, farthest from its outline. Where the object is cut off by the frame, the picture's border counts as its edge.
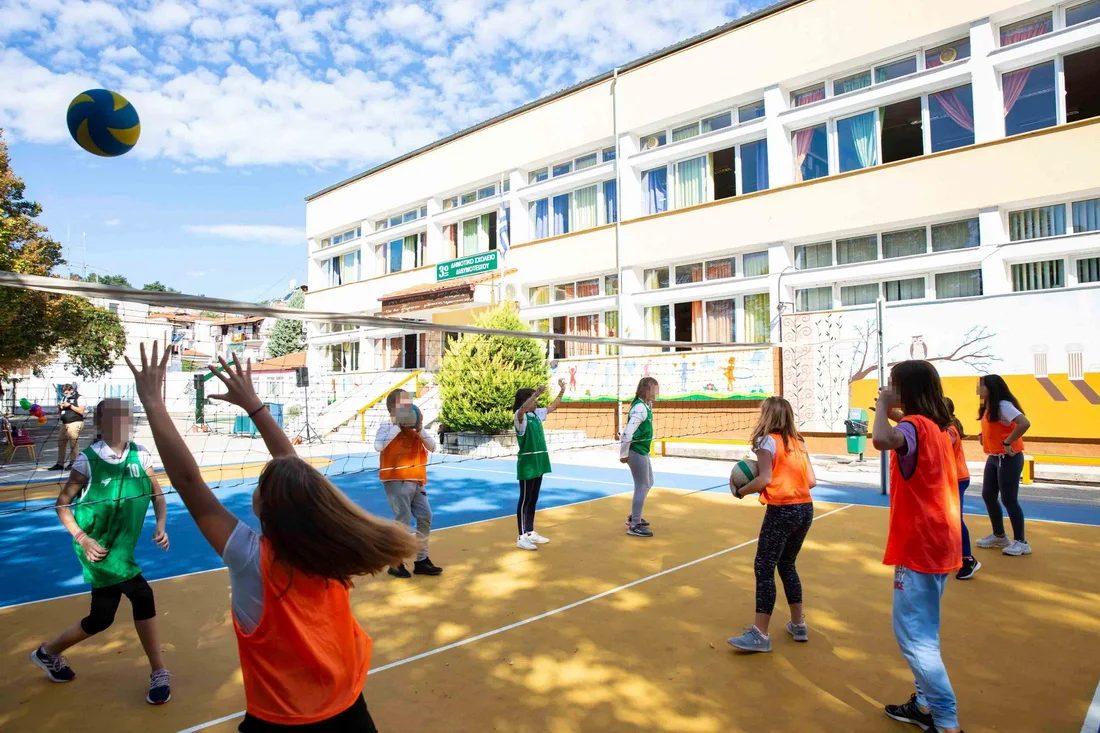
(618, 258)
(880, 318)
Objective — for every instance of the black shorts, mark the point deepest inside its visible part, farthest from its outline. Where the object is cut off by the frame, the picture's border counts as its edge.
(105, 603)
(355, 719)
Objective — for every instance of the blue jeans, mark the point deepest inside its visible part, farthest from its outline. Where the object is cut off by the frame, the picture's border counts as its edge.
(917, 630)
(964, 484)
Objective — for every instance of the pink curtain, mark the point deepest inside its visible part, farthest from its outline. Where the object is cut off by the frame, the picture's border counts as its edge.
(697, 321)
(955, 108)
(809, 96)
(720, 320)
(1038, 28)
(1013, 87)
(802, 141)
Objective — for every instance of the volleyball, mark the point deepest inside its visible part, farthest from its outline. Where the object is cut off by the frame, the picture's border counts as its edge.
(408, 416)
(104, 123)
(743, 472)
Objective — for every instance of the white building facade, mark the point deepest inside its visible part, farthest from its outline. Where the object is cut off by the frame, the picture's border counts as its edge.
(814, 156)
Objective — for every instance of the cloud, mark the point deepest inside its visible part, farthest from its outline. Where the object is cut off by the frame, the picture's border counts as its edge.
(112, 222)
(251, 233)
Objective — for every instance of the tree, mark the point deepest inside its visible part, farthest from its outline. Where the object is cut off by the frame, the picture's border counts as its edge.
(287, 336)
(118, 281)
(35, 328)
(480, 374)
(158, 287)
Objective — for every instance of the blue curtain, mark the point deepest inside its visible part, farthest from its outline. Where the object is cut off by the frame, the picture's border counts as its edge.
(542, 219)
(396, 248)
(1086, 215)
(612, 213)
(561, 214)
(656, 190)
(858, 146)
(754, 167)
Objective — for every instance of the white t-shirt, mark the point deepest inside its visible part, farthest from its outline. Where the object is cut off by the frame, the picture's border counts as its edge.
(388, 430)
(520, 421)
(1009, 413)
(634, 419)
(767, 442)
(80, 465)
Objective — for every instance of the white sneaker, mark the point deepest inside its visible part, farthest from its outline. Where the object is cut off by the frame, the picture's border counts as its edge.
(992, 540)
(1017, 548)
(537, 538)
(524, 542)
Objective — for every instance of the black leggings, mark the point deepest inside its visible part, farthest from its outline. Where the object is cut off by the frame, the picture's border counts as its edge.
(528, 498)
(1002, 479)
(355, 719)
(105, 603)
(781, 536)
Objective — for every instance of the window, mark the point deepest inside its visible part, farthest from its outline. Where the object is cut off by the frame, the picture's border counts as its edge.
(655, 190)
(424, 209)
(807, 96)
(912, 289)
(541, 325)
(344, 237)
(755, 264)
(610, 202)
(749, 112)
(611, 330)
(1031, 28)
(653, 141)
(1088, 270)
(478, 234)
(450, 203)
(955, 235)
(450, 241)
(852, 83)
(758, 326)
(687, 274)
(113, 307)
(857, 142)
(537, 176)
(1084, 12)
(1045, 275)
(721, 269)
(588, 289)
(657, 323)
(656, 278)
(351, 266)
(585, 161)
(951, 117)
(858, 294)
(904, 243)
(685, 132)
(566, 291)
(1044, 221)
(947, 53)
(895, 69)
(1029, 99)
(1082, 78)
(1086, 215)
(608, 154)
(540, 295)
(561, 214)
(856, 249)
(718, 122)
(585, 208)
(902, 133)
(811, 153)
(562, 168)
(468, 198)
(723, 166)
(403, 254)
(754, 167)
(811, 256)
(332, 268)
(610, 284)
(813, 299)
(691, 185)
(720, 323)
(487, 192)
(965, 284)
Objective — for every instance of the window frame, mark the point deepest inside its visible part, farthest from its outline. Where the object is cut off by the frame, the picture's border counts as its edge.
(601, 210)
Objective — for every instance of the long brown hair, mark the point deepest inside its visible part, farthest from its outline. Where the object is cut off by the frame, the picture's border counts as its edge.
(997, 392)
(315, 529)
(643, 386)
(776, 416)
(954, 419)
(921, 393)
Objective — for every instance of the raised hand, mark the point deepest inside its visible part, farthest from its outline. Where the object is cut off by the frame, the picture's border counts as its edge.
(149, 379)
(238, 385)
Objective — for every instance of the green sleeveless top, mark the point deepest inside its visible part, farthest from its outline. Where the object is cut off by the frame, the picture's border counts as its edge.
(642, 442)
(533, 459)
(111, 510)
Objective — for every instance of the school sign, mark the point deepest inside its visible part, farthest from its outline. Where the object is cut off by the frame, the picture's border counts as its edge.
(469, 265)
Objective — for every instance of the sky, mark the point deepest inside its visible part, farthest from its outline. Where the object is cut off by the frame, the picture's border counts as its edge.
(248, 106)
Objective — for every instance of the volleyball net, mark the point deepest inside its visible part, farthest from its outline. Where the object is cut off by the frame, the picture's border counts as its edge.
(325, 378)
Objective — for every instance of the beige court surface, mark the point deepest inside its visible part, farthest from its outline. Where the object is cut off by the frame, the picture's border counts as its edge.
(514, 641)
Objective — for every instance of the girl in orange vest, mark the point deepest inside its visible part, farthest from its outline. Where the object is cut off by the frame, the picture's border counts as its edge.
(956, 433)
(784, 481)
(304, 656)
(1003, 428)
(925, 540)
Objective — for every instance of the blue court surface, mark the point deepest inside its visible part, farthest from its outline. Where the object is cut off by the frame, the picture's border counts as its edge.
(37, 560)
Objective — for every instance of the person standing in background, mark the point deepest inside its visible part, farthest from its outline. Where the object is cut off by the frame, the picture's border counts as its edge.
(68, 434)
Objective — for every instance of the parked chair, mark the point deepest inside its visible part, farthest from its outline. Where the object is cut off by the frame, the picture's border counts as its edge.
(13, 441)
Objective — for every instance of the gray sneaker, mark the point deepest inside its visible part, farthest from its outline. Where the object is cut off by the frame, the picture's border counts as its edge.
(798, 631)
(751, 641)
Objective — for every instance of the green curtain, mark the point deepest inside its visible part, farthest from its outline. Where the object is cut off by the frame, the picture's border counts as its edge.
(585, 207)
(691, 186)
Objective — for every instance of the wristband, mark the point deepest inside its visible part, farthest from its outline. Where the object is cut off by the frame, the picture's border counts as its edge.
(256, 411)
(79, 536)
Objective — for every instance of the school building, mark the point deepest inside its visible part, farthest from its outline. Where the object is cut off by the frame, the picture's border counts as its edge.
(808, 158)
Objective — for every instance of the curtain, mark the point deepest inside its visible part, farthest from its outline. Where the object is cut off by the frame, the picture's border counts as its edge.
(905, 243)
(588, 288)
(408, 256)
(656, 323)
(904, 289)
(1039, 275)
(955, 235)
(469, 237)
(541, 211)
(755, 264)
(861, 133)
(1086, 215)
(691, 186)
(721, 269)
(561, 214)
(803, 139)
(611, 204)
(851, 295)
(1045, 221)
(720, 324)
(758, 318)
(955, 108)
(584, 326)
(808, 96)
(656, 190)
(697, 321)
(963, 284)
(754, 166)
(1040, 27)
(852, 83)
(585, 207)
(450, 238)
(1014, 83)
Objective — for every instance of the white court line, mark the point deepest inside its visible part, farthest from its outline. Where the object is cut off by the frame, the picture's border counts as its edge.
(531, 620)
(552, 477)
(1092, 719)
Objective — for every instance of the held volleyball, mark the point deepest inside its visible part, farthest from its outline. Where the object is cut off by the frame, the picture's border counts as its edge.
(743, 472)
(103, 122)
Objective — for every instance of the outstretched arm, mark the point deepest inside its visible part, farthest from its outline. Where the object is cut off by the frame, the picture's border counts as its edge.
(214, 521)
(557, 400)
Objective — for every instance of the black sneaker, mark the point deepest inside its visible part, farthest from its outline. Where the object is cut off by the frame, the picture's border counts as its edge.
(642, 522)
(970, 566)
(68, 466)
(910, 712)
(56, 467)
(400, 571)
(426, 567)
(638, 530)
(54, 665)
(159, 691)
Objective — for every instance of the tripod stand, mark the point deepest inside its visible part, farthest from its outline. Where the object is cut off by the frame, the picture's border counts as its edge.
(308, 434)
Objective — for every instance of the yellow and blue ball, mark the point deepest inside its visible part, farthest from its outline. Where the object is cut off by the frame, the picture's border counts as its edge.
(104, 123)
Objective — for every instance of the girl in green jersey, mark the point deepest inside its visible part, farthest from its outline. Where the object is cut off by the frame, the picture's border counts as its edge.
(533, 459)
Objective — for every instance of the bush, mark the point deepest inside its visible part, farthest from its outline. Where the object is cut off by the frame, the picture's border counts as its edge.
(480, 374)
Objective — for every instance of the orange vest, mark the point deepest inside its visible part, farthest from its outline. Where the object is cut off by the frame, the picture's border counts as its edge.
(925, 524)
(994, 434)
(307, 659)
(961, 469)
(790, 482)
(404, 459)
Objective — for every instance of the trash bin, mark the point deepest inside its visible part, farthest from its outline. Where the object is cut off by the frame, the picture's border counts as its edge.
(856, 429)
(242, 424)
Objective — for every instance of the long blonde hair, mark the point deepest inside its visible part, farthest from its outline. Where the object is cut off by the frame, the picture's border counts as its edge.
(315, 529)
(776, 416)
